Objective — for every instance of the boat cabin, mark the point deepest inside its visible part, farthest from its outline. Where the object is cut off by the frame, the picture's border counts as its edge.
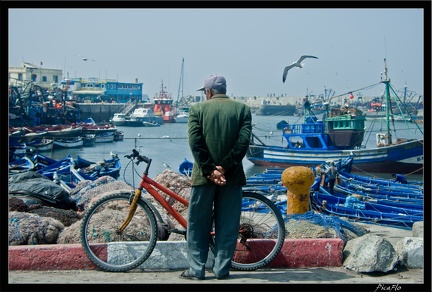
(308, 135)
(341, 129)
(142, 112)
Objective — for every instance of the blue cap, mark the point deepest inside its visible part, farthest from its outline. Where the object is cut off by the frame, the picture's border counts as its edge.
(214, 81)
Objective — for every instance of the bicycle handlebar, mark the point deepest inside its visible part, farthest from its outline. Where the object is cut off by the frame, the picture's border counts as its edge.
(140, 158)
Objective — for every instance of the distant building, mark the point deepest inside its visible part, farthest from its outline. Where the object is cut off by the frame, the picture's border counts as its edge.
(97, 90)
(89, 89)
(44, 77)
(122, 92)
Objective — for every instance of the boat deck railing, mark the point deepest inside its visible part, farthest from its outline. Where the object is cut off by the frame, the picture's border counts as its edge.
(305, 128)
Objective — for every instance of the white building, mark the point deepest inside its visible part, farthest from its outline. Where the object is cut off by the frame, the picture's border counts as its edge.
(46, 78)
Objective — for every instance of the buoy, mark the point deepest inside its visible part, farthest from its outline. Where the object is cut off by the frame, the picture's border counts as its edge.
(298, 180)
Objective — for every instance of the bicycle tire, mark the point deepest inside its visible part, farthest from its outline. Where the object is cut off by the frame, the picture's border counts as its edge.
(104, 246)
(261, 234)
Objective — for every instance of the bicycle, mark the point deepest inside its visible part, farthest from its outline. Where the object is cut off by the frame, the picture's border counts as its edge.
(119, 231)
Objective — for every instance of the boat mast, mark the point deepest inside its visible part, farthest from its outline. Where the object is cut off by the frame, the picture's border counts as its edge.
(180, 90)
(386, 81)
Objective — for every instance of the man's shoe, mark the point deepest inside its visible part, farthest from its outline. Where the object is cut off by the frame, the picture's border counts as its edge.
(186, 275)
(223, 277)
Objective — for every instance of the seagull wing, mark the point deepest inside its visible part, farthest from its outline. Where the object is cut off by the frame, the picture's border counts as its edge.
(286, 72)
(304, 57)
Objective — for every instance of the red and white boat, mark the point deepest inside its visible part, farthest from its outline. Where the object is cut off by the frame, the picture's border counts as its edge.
(57, 131)
(90, 127)
(163, 106)
(25, 134)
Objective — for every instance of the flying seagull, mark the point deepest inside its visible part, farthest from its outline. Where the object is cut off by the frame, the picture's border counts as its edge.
(296, 64)
(85, 59)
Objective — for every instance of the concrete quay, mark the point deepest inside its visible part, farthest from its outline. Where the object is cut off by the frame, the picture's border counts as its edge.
(302, 265)
(295, 253)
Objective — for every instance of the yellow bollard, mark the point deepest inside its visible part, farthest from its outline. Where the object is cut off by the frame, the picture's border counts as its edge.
(298, 180)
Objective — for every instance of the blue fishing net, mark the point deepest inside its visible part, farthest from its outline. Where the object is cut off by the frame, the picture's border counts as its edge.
(327, 222)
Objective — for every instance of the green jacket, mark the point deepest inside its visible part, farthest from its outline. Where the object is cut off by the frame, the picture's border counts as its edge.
(219, 132)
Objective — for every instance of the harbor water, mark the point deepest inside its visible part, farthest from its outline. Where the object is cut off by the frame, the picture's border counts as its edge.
(167, 145)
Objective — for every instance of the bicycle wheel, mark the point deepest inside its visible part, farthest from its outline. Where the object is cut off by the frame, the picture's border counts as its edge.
(115, 251)
(261, 234)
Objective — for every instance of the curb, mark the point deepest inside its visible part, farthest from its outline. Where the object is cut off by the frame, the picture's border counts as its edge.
(171, 255)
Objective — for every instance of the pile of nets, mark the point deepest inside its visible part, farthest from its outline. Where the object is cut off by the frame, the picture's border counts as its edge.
(30, 229)
(317, 225)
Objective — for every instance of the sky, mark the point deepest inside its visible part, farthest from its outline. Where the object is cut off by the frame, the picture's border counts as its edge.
(250, 47)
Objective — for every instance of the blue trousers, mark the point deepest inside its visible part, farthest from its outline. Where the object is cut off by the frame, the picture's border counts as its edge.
(227, 209)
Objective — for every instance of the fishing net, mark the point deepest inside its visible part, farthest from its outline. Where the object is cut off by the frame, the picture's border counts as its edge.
(181, 185)
(66, 217)
(30, 229)
(317, 225)
(88, 191)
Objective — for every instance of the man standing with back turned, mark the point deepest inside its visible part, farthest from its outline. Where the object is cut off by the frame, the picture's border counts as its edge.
(219, 131)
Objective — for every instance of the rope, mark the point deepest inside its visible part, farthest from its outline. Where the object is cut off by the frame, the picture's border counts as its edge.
(351, 91)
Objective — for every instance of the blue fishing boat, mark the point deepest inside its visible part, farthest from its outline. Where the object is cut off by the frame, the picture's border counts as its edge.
(400, 209)
(186, 167)
(60, 170)
(17, 150)
(71, 176)
(358, 202)
(41, 161)
(338, 135)
(411, 184)
(381, 190)
(21, 165)
(58, 166)
(364, 211)
(403, 201)
(109, 167)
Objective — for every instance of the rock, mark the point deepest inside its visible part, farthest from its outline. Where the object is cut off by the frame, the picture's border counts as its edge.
(417, 229)
(411, 252)
(370, 253)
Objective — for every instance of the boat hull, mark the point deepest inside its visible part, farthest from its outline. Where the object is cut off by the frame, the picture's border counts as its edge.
(151, 124)
(118, 136)
(181, 118)
(89, 140)
(105, 137)
(118, 123)
(133, 123)
(276, 110)
(62, 132)
(68, 143)
(41, 145)
(405, 157)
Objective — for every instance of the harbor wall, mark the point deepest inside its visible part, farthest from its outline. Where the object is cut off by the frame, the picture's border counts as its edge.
(99, 112)
(103, 112)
